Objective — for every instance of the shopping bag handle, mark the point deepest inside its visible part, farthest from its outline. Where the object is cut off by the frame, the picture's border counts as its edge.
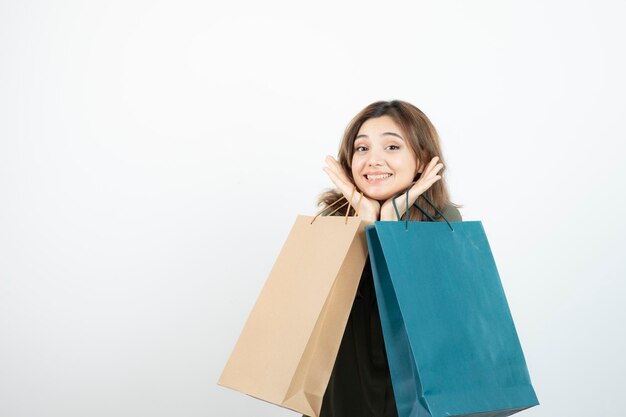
(356, 210)
(406, 192)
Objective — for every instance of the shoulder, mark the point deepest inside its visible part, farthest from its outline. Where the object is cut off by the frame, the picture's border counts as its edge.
(451, 213)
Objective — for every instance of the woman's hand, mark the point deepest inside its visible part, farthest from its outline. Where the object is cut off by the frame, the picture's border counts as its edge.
(427, 179)
(368, 209)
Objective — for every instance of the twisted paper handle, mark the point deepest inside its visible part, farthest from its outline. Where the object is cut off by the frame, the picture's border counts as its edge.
(356, 210)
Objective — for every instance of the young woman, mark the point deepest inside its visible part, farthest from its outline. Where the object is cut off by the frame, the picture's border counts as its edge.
(387, 148)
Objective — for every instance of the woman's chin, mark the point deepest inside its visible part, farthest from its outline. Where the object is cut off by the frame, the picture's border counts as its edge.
(379, 196)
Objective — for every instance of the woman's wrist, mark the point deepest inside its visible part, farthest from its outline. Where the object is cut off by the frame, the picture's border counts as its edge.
(368, 215)
(388, 215)
(384, 218)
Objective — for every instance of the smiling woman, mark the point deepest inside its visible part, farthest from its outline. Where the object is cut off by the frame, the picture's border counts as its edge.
(383, 164)
(387, 148)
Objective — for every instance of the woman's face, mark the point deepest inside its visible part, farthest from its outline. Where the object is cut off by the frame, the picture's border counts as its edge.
(383, 163)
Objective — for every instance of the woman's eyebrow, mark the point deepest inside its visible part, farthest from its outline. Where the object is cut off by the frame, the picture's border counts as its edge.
(386, 133)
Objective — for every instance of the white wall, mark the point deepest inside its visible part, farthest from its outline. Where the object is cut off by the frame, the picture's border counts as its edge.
(153, 156)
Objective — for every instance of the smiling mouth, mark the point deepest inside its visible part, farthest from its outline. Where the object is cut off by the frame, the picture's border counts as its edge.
(372, 179)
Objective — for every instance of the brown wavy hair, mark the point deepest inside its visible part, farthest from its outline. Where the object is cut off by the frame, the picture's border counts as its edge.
(421, 136)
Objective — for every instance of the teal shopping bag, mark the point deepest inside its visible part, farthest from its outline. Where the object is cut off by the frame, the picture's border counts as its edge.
(451, 343)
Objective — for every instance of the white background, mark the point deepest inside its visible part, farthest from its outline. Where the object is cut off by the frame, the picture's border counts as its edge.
(154, 155)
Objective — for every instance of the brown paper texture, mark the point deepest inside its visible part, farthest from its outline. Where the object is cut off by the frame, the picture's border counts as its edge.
(287, 348)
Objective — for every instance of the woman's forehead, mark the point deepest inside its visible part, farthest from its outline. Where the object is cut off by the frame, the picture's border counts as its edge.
(379, 127)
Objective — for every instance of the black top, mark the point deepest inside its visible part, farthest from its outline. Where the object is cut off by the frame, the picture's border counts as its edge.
(360, 383)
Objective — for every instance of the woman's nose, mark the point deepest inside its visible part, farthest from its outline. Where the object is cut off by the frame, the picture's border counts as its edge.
(374, 159)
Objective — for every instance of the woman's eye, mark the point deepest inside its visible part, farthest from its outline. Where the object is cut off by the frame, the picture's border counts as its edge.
(394, 146)
(360, 148)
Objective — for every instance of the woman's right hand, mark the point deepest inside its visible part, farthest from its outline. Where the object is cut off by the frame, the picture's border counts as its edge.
(368, 209)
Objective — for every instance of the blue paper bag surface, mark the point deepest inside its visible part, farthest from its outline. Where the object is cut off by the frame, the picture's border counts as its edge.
(450, 339)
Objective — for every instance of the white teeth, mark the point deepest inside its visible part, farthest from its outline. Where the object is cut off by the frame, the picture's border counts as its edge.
(378, 177)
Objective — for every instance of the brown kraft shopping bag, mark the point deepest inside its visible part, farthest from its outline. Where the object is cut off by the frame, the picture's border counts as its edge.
(287, 348)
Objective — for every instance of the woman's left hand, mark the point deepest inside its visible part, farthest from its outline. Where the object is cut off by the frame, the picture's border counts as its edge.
(427, 179)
